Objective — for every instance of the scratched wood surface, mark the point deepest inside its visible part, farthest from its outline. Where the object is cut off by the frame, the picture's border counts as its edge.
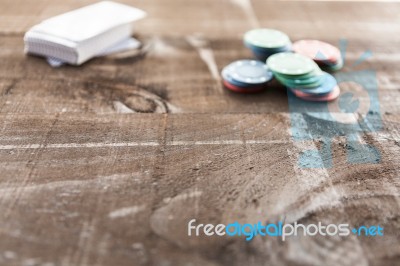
(106, 163)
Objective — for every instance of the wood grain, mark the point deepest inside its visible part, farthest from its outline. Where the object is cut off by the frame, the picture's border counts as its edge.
(106, 163)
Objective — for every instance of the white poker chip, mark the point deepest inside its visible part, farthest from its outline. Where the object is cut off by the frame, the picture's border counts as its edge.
(248, 72)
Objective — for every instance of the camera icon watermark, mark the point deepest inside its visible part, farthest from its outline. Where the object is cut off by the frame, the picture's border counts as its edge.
(355, 113)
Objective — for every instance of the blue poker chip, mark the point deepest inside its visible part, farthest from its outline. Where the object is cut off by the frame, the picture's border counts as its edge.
(247, 72)
(270, 51)
(263, 53)
(328, 84)
(260, 56)
(308, 93)
(234, 82)
(240, 84)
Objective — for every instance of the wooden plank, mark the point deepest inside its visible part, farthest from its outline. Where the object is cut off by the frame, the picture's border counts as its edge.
(127, 186)
(144, 84)
(105, 164)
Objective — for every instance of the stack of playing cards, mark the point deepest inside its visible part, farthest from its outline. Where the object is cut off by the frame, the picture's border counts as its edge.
(82, 34)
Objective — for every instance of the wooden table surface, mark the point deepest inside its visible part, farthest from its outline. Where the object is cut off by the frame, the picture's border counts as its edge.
(106, 163)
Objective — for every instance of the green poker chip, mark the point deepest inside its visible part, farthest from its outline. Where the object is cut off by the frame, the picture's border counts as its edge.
(290, 83)
(333, 68)
(313, 74)
(309, 81)
(267, 38)
(291, 64)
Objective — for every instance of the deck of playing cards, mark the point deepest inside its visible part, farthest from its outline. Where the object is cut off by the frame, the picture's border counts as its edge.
(82, 34)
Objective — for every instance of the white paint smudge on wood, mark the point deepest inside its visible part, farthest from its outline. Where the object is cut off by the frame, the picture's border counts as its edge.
(119, 213)
(140, 143)
(206, 54)
(248, 9)
(161, 49)
(169, 143)
(184, 196)
(122, 108)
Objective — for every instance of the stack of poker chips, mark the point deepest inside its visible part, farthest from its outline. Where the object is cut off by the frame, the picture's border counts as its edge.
(298, 69)
(266, 42)
(327, 56)
(303, 77)
(246, 76)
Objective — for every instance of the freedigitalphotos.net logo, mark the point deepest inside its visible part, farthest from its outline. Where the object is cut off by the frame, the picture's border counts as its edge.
(353, 114)
(280, 229)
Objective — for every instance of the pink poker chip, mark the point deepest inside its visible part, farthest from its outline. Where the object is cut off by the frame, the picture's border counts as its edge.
(317, 50)
(333, 95)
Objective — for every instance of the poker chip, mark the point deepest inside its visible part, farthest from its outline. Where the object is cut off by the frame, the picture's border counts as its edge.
(246, 76)
(257, 49)
(332, 67)
(327, 56)
(326, 86)
(249, 71)
(331, 96)
(311, 80)
(266, 42)
(234, 88)
(291, 64)
(266, 38)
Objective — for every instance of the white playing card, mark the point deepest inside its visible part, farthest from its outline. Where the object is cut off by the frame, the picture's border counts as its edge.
(77, 36)
(128, 44)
